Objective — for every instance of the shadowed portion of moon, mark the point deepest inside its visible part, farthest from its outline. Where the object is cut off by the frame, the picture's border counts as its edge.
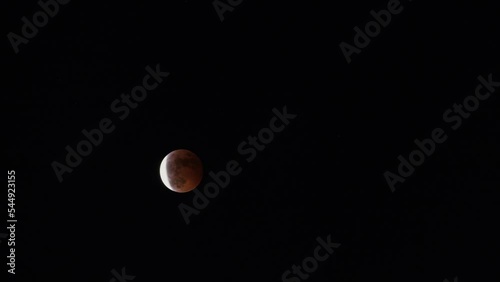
(181, 171)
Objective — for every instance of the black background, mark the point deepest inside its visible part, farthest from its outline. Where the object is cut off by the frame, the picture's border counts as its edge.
(322, 175)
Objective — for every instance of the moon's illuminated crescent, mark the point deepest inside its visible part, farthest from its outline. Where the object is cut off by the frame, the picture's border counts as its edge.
(163, 172)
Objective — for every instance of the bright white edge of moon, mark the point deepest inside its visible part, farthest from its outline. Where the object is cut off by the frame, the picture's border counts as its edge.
(163, 172)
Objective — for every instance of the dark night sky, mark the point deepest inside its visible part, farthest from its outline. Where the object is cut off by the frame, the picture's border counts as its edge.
(323, 175)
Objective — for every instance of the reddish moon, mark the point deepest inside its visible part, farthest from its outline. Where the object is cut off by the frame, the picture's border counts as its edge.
(181, 171)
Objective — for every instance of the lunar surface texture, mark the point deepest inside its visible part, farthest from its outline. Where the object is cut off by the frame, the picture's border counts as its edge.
(181, 171)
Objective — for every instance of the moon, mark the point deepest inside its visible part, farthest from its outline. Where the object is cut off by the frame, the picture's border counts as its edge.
(181, 171)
